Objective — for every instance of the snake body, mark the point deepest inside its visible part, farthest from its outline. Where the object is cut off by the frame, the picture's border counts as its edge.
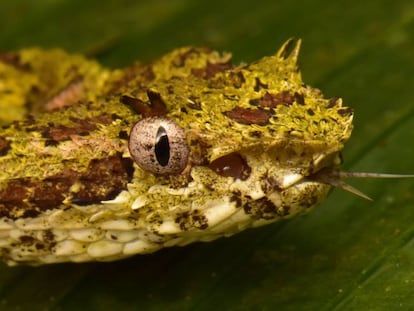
(99, 164)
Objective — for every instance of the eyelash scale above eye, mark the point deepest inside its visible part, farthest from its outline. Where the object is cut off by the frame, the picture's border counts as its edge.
(158, 145)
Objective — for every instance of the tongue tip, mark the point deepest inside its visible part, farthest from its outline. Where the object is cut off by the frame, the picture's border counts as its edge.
(344, 174)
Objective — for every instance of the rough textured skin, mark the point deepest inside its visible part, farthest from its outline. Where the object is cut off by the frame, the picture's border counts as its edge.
(69, 190)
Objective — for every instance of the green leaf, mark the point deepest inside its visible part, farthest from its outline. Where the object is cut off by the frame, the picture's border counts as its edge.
(349, 254)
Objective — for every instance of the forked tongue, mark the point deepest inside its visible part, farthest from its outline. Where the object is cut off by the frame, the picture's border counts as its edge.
(335, 178)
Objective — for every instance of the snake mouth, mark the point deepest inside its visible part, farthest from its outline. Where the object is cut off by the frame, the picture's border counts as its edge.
(334, 177)
(235, 165)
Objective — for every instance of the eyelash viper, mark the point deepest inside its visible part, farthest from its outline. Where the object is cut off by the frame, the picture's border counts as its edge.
(100, 164)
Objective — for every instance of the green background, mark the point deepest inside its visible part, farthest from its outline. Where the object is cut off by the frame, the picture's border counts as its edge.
(349, 254)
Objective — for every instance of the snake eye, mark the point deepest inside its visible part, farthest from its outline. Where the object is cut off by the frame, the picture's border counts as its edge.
(158, 145)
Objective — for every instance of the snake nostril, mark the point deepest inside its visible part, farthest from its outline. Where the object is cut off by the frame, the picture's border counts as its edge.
(231, 165)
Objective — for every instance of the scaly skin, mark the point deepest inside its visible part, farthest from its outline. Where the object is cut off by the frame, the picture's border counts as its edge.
(70, 191)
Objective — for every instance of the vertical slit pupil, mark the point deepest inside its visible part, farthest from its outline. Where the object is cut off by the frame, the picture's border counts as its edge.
(162, 147)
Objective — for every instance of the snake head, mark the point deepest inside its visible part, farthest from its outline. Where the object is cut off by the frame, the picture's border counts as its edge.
(254, 138)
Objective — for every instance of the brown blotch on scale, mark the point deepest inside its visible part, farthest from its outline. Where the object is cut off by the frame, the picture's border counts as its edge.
(27, 240)
(49, 238)
(181, 59)
(210, 70)
(178, 181)
(236, 197)
(82, 127)
(199, 151)
(104, 179)
(299, 99)
(259, 85)
(38, 243)
(231, 165)
(194, 219)
(237, 79)
(270, 184)
(333, 102)
(345, 112)
(264, 209)
(255, 134)
(249, 116)
(273, 100)
(26, 124)
(4, 146)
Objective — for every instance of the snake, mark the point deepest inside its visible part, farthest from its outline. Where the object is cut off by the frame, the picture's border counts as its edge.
(100, 164)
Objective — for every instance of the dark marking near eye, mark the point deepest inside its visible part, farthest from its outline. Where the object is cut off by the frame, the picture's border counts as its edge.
(249, 116)
(162, 147)
(199, 151)
(310, 112)
(4, 146)
(157, 103)
(123, 135)
(345, 112)
(103, 179)
(259, 85)
(136, 104)
(231, 165)
(155, 107)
